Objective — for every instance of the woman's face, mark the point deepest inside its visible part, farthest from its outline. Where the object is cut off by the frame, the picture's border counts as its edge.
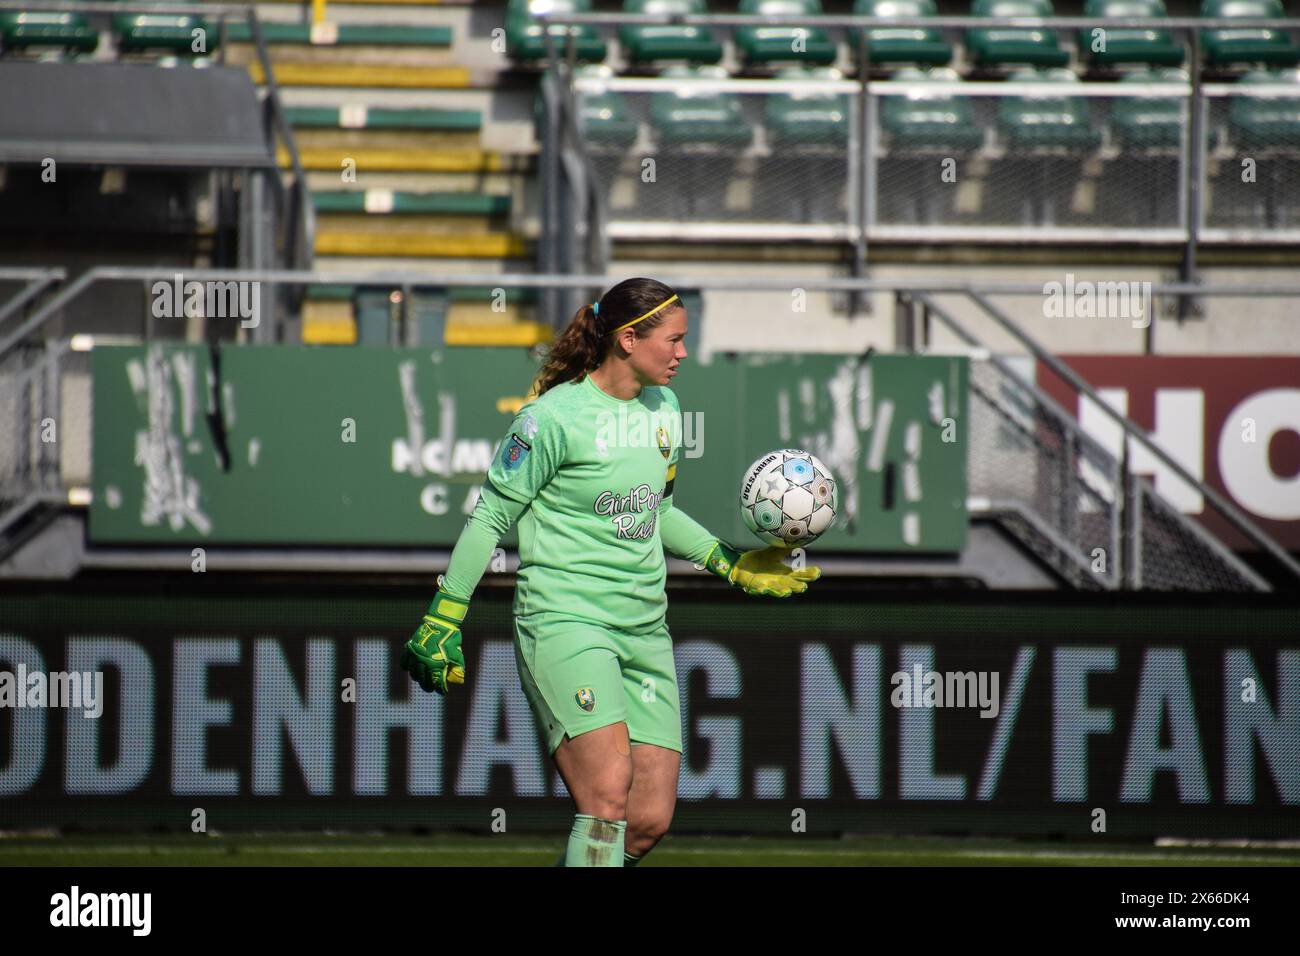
(655, 358)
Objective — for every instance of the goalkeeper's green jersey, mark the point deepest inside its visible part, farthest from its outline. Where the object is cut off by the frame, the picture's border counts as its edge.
(595, 472)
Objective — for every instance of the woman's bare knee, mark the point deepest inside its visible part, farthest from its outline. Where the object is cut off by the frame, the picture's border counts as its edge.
(645, 829)
(597, 769)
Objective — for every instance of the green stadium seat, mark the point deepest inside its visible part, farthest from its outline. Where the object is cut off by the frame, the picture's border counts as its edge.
(70, 31)
(431, 120)
(1273, 122)
(937, 121)
(765, 45)
(903, 44)
(1004, 47)
(1247, 45)
(1029, 122)
(346, 34)
(149, 32)
(604, 116)
(524, 39)
(1148, 122)
(400, 203)
(808, 119)
(804, 179)
(704, 118)
(646, 44)
(1152, 47)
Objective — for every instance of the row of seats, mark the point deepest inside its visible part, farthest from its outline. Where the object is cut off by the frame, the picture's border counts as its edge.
(995, 47)
(136, 33)
(940, 120)
(140, 33)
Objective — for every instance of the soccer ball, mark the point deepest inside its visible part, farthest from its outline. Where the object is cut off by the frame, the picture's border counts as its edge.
(788, 498)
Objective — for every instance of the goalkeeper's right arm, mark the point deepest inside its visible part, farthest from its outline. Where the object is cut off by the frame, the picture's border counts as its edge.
(433, 655)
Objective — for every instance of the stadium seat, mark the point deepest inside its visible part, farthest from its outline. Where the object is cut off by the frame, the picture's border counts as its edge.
(1247, 45)
(686, 117)
(150, 32)
(645, 44)
(1152, 47)
(903, 44)
(342, 34)
(808, 119)
(804, 179)
(382, 118)
(1147, 122)
(765, 45)
(524, 39)
(1004, 47)
(395, 203)
(1267, 122)
(930, 121)
(604, 116)
(1046, 121)
(69, 31)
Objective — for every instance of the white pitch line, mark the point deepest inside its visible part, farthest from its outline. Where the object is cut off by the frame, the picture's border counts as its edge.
(690, 851)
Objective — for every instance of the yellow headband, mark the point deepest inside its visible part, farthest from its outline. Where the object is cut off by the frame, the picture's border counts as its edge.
(646, 316)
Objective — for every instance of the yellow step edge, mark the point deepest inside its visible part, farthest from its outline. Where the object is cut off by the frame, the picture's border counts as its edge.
(397, 160)
(338, 74)
(386, 3)
(328, 330)
(523, 334)
(490, 245)
(342, 330)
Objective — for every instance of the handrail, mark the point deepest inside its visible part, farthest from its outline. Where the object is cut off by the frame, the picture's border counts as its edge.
(977, 292)
(1231, 511)
(37, 280)
(299, 244)
(720, 282)
(1087, 440)
(939, 22)
(302, 212)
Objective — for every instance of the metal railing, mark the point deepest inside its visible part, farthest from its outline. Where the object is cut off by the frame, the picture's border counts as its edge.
(1032, 467)
(859, 207)
(275, 234)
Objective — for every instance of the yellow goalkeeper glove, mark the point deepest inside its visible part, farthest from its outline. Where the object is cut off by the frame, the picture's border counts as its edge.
(432, 656)
(760, 572)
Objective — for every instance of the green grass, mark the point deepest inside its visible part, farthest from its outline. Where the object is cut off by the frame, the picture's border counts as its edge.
(531, 850)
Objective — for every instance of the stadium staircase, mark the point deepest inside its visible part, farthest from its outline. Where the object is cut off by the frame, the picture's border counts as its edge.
(398, 111)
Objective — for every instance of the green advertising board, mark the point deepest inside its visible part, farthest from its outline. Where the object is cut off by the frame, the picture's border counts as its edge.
(284, 445)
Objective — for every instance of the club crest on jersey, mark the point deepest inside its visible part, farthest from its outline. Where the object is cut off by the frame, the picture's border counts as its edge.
(514, 452)
(586, 698)
(665, 446)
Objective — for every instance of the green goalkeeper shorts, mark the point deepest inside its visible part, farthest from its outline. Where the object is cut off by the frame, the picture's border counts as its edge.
(580, 676)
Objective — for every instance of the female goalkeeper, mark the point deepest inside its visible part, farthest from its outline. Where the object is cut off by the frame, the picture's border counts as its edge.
(587, 469)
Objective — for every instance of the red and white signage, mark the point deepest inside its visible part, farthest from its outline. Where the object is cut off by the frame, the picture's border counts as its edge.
(1233, 422)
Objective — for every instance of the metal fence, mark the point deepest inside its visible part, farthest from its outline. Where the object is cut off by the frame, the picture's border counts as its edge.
(1123, 161)
(1083, 510)
(721, 158)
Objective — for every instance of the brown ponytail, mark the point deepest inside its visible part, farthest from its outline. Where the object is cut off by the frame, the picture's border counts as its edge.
(586, 340)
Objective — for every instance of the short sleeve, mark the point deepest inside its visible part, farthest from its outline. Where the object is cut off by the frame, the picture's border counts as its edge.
(529, 455)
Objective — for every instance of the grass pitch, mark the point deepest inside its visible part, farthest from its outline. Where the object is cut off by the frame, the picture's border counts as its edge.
(506, 850)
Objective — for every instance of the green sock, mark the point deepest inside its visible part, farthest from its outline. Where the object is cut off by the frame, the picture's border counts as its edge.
(630, 860)
(595, 842)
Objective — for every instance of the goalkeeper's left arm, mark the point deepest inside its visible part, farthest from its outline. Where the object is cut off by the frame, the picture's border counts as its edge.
(757, 572)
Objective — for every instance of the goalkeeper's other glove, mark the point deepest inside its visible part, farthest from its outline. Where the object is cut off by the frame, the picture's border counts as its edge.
(432, 656)
(760, 572)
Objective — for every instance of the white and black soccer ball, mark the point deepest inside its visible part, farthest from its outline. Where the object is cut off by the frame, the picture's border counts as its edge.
(788, 498)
